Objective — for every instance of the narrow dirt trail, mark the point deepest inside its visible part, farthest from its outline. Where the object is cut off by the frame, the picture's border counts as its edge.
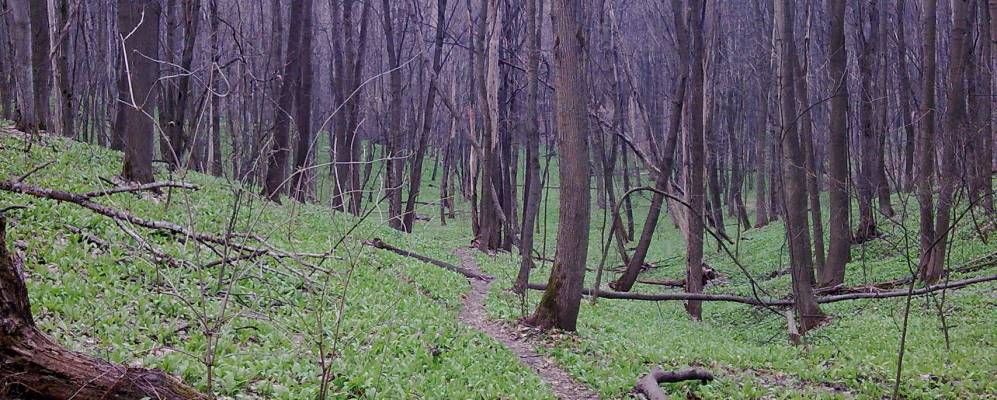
(473, 314)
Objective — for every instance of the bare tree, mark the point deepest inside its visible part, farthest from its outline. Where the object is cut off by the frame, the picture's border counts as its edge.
(797, 232)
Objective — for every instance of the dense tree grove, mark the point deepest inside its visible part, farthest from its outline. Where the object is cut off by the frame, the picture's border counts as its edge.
(744, 111)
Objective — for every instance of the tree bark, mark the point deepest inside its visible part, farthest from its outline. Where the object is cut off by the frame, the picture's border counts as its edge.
(797, 234)
(394, 165)
(531, 188)
(37, 367)
(695, 152)
(20, 29)
(138, 23)
(41, 46)
(868, 175)
(560, 302)
(67, 126)
(415, 174)
(304, 152)
(838, 250)
(925, 195)
(274, 185)
(956, 126)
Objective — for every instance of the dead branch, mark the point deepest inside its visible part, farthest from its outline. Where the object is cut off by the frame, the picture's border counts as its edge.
(650, 384)
(774, 302)
(377, 243)
(179, 231)
(139, 188)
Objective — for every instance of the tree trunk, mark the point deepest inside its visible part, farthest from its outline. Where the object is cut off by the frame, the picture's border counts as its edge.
(139, 75)
(956, 126)
(34, 366)
(984, 164)
(20, 29)
(806, 132)
(531, 188)
(696, 164)
(797, 232)
(216, 128)
(41, 46)
(906, 95)
(67, 126)
(560, 302)
(274, 185)
(394, 163)
(868, 175)
(927, 162)
(838, 250)
(415, 174)
(305, 147)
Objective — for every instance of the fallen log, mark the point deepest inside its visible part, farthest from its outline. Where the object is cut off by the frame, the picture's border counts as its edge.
(34, 366)
(776, 302)
(650, 384)
(377, 243)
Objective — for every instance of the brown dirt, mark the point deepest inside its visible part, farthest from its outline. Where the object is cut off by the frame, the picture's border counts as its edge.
(473, 314)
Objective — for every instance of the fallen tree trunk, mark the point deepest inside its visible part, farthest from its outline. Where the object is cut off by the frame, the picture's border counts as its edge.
(650, 384)
(34, 366)
(379, 244)
(777, 302)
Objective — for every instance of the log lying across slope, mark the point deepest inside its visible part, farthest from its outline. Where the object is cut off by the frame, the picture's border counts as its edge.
(753, 301)
(34, 366)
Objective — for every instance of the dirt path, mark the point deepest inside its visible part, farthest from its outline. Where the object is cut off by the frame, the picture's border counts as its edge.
(473, 314)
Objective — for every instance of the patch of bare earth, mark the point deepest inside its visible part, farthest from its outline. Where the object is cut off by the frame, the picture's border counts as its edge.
(473, 314)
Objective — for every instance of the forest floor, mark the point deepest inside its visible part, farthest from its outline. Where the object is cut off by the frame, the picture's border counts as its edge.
(381, 325)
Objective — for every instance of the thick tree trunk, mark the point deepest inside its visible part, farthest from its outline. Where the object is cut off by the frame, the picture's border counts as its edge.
(838, 250)
(34, 366)
(139, 75)
(797, 232)
(906, 95)
(41, 46)
(305, 150)
(560, 302)
(489, 208)
(20, 29)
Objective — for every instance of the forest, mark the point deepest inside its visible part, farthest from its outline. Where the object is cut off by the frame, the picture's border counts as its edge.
(498, 199)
